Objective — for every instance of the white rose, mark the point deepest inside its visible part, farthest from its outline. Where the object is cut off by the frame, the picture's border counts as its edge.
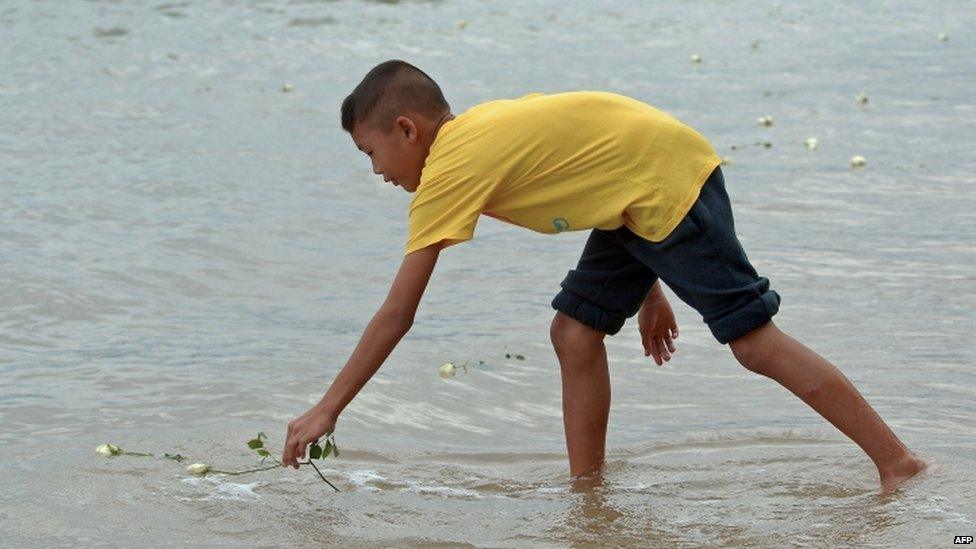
(811, 143)
(108, 450)
(765, 120)
(447, 370)
(198, 469)
(695, 58)
(858, 161)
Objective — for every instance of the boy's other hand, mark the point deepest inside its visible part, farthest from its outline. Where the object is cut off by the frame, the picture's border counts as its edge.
(658, 329)
(303, 431)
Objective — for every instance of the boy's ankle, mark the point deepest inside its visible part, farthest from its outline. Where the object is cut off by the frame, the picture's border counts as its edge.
(910, 468)
(907, 464)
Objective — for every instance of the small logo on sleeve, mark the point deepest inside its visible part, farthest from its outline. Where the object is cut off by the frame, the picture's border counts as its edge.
(962, 540)
(560, 224)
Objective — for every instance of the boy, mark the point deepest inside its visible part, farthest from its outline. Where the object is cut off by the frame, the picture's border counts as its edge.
(651, 191)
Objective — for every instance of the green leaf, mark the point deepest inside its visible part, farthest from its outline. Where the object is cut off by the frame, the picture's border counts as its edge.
(315, 451)
(508, 355)
(520, 357)
(262, 435)
(263, 453)
(335, 449)
(177, 457)
(255, 443)
(328, 449)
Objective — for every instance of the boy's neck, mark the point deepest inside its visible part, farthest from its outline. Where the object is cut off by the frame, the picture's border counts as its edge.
(446, 117)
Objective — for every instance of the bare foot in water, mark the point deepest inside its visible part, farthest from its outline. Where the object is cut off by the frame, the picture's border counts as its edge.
(588, 481)
(907, 469)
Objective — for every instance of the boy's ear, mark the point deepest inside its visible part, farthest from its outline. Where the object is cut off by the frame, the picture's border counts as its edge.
(407, 126)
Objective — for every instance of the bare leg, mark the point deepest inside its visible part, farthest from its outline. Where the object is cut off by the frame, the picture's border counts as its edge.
(586, 392)
(772, 353)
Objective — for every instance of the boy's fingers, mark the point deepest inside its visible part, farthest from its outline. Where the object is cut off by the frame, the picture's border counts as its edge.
(299, 453)
(655, 352)
(674, 332)
(289, 454)
(664, 350)
(292, 453)
(667, 339)
(285, 453)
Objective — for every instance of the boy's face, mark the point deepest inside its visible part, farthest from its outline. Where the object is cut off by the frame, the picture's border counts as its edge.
(398, 156)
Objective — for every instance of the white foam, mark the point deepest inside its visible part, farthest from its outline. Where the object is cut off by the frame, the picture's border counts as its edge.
(443, 490)
(220, 490)
(360, 478)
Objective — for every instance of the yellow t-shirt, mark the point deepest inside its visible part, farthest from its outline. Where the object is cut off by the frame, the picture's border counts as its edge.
(559, 162)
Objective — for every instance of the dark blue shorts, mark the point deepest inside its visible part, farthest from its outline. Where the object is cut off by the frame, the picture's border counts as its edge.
(702, 261)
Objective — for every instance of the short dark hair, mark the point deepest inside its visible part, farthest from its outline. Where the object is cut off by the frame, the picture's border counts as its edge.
(388, 90)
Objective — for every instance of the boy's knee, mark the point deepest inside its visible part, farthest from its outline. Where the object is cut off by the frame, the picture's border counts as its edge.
(566, 331)
(753, 350)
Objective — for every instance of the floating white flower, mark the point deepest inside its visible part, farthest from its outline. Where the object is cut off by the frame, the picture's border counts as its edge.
(447, 370)
(861, 97)
(108, 450)
(943, 37)
(858, 161)
(695, 58)
(765, 121)
(287, 88)
(198, 469)
(811, 143)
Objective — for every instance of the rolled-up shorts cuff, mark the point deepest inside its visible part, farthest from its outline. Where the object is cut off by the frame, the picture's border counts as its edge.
(746, 319)
(586, 313)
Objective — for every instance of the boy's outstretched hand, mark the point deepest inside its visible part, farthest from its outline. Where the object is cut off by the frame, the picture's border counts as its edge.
(303, 431)
(658, 328)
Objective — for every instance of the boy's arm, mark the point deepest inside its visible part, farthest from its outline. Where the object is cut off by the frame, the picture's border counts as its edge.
(390, 323)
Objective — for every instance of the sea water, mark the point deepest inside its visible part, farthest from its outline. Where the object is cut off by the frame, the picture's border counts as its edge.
(191, 247)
